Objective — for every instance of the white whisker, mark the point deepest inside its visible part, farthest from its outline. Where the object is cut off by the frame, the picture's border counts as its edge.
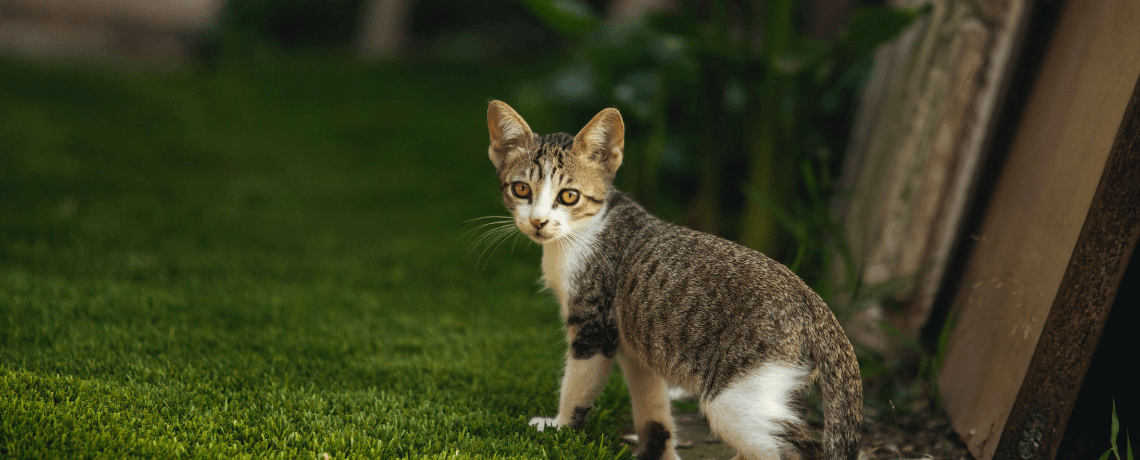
(500, 239)
(486, 224)
(488, 217)
(488, 236)
(494, 234)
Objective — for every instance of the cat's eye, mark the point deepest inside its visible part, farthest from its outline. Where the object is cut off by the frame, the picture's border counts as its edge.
(568, 197)
(521, 189)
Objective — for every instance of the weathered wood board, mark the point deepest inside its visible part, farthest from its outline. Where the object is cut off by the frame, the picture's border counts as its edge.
(1054, 241)
(925, 122)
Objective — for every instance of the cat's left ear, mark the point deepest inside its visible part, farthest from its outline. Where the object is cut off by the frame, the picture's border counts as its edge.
(509, 133)
(603, 139)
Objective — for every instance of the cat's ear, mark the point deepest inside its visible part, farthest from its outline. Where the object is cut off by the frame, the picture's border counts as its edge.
(603, 139)
(510, 135)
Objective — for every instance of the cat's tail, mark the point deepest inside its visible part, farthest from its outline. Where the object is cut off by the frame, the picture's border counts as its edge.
(842, 389)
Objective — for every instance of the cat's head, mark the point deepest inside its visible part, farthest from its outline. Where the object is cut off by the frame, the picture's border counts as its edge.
(556, 184)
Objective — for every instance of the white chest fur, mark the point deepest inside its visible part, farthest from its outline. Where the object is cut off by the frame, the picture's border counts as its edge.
(564, 260)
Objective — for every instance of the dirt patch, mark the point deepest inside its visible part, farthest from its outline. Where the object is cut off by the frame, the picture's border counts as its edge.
(911, 436)
(885, 437)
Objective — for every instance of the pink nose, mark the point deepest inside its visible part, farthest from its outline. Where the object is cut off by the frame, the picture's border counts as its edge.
(538, 224)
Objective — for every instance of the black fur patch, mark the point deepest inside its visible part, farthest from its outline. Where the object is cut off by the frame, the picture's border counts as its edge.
(798, 436)
(653, 446)
(578, 418)
(594, 336)
(799, 405)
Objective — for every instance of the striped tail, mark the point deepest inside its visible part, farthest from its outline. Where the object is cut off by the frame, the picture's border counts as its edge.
(842, 388)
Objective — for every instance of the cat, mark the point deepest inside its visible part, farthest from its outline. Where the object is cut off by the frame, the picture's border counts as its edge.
(671, 305)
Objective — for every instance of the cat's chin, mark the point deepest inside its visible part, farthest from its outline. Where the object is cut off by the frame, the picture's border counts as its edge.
(542, 239)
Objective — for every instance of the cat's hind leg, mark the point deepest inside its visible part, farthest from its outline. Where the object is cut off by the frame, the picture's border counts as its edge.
(761, 414)
(649, 395)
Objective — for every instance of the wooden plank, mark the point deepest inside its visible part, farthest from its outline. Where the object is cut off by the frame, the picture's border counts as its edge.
(1039, 415)
(1033, 223)
(925, 121)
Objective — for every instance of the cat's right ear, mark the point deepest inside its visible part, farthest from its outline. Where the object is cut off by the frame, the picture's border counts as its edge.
(510, 135)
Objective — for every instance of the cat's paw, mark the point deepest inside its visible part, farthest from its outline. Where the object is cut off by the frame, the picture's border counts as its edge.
(542, 423)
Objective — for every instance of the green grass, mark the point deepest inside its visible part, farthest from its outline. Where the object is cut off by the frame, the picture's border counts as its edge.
(267, 262)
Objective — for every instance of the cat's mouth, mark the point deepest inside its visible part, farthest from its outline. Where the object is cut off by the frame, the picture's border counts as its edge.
(538, 237)
(541, 238)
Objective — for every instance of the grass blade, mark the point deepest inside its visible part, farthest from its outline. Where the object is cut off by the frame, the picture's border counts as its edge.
(1115, 429)
(791, 224)
(1128, 443)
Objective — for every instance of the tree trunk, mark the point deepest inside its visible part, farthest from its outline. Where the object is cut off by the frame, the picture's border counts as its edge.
(384, 28)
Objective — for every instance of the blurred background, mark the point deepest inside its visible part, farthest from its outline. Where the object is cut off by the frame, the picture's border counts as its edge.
(738, 112)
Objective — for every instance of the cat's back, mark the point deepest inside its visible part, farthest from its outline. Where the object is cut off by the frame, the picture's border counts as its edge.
(675, 259)
(706, 307)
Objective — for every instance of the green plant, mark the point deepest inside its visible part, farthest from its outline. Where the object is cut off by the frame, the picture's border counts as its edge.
(927, 365)
(733, 106)
(1116, 431)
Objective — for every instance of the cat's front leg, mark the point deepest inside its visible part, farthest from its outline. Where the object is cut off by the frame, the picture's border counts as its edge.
(587, 370)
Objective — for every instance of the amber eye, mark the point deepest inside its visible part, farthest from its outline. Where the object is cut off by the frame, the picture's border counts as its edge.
(568, 197)
(521, 189)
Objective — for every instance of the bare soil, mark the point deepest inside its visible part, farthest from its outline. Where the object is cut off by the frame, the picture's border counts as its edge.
(885, 437)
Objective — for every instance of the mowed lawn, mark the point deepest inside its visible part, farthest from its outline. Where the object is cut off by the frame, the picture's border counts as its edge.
(268, 262)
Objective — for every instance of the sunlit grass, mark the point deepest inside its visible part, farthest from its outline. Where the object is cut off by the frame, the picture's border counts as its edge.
(267, 263)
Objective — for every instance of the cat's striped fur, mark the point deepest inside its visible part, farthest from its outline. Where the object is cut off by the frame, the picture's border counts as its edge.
(671, 304)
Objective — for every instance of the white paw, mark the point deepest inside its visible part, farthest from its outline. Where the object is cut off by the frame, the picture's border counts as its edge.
(542, 423)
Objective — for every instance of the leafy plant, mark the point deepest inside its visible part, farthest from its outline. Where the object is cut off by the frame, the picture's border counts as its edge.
(1116, 431)
(926, 366)
(732, 105)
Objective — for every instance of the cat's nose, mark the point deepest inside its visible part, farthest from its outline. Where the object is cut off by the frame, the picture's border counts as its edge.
(538, 223)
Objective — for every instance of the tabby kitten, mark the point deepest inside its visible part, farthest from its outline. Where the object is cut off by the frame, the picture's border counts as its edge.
(671, 305)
